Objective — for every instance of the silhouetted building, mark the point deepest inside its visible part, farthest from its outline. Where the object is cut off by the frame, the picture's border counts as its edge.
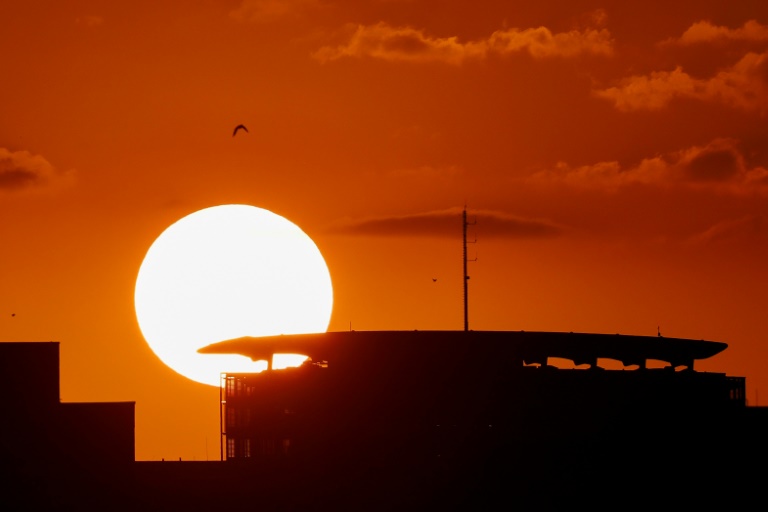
(487, 413)
(54, 452)
(415, 420)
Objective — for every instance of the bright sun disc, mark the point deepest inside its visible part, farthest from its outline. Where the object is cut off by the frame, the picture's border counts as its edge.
(226, 272)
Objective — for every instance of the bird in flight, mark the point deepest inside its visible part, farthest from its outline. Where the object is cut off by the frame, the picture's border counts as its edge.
(239, 127)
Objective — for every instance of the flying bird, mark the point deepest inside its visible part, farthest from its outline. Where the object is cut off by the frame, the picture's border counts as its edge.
(239, 127)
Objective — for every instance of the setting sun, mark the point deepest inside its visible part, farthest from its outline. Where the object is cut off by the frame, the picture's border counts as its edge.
(226, 272)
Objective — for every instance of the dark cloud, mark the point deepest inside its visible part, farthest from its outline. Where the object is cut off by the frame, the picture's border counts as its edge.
(448, 224)
(22, 170)
(714, 164)
(15, 178)
(719, 165)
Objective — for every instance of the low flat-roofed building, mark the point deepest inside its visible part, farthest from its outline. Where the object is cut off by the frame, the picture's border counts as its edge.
(51, 451)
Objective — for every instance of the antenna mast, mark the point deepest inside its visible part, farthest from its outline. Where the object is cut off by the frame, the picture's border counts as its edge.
(466, 277)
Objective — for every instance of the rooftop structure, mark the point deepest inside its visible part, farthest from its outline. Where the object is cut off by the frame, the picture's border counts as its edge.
(489, 408)
(518, 347)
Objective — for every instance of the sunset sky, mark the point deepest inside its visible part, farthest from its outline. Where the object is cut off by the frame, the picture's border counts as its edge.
(612, 155)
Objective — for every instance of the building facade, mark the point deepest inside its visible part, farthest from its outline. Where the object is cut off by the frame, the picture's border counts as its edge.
(491, 407)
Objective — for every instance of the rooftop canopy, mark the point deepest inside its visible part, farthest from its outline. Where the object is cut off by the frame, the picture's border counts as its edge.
(528, 347)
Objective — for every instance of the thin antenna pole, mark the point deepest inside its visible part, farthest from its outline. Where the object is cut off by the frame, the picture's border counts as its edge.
(222, 384)
(466, 277)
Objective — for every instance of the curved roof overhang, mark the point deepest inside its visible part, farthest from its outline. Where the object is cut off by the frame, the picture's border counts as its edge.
(529, 347)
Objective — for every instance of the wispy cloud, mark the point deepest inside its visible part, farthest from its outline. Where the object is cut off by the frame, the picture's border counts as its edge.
(22, 170)
(719, 165)
(267, 11)
(706, 32)
(447, 224)
(383, 41)
(749, 227)
(743, 85)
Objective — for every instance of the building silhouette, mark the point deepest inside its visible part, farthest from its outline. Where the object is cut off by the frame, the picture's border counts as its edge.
(406, 420)
(477, 417)
(55, 454)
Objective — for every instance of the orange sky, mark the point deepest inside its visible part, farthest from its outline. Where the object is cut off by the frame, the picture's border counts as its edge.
(613, 156)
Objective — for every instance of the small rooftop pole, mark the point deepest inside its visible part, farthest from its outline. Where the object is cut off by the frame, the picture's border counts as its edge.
(466, 277)
(222, 400)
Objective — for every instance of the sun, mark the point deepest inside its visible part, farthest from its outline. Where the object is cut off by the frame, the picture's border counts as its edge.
(226, 272)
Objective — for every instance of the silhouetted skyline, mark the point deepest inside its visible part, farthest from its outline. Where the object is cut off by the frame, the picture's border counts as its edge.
(409, 420)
